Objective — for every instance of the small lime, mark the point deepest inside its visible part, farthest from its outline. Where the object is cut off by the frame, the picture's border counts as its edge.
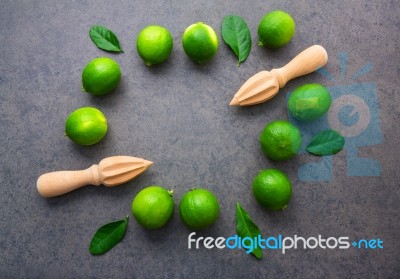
(200, 42)
(154, 44)
(272, 189)
(276, 29)
(199, 208)
(309, 102)
(101, 76)
(280, 140)
(86, 126)
(153, 207)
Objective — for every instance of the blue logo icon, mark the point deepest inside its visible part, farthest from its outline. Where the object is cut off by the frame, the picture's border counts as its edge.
(355, 114)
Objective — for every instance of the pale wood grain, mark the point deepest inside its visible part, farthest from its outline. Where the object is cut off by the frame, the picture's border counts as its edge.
(111, 171)
(264, 85)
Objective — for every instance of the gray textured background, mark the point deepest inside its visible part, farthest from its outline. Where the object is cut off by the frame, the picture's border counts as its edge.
(177, 115)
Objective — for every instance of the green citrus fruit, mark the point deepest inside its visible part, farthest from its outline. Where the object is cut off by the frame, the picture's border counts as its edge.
(276, 29)
(200, 42)
(309, 102)
(272, 189)
(199, 208)
(101, 76)
(280, 140)
(86, 126)
(154, 44)
(153, 207)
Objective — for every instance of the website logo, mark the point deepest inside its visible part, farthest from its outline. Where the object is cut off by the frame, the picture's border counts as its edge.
(355, 114)
(281, 243)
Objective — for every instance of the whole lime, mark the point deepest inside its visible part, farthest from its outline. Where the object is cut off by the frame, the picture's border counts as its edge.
(154, 44)
(86, 126)
(280, 140)
(101, 76)
(309, 102)
(199, 208)
(276, 29)
(200, 42)
(272, 189)
(153, 207)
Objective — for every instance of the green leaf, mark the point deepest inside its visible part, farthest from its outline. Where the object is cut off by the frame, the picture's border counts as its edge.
(246, 228)
(104, 38)
(237, 35)
(108, 236)
(326, 143)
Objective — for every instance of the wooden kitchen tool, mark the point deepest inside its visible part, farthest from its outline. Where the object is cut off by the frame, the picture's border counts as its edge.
(111, 171)
(265, 85)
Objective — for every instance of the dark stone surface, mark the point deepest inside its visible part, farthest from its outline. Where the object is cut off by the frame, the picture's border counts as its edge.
(177, 115)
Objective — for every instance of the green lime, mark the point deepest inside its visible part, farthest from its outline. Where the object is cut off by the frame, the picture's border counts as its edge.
(272, 189)
(276, 29)
(154, 44)
(153, 207)
(280, 140)
(200, 42)
(86, 126)
(309, 102)
(199, 208)
(101, 76)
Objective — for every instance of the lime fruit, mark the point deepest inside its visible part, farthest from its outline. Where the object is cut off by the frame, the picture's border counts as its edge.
(86, 126)
(200, 42)
(199, 208)
(101, 76)
(154, 44)
(309, 102)
(276, 29)
(153, 207)
(280, 140)
(272, 189)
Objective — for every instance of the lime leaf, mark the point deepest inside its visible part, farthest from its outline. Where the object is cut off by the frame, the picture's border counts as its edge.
(108, 236)
(246, 228)
(237, 35)
(326, 143)
(104, 38)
